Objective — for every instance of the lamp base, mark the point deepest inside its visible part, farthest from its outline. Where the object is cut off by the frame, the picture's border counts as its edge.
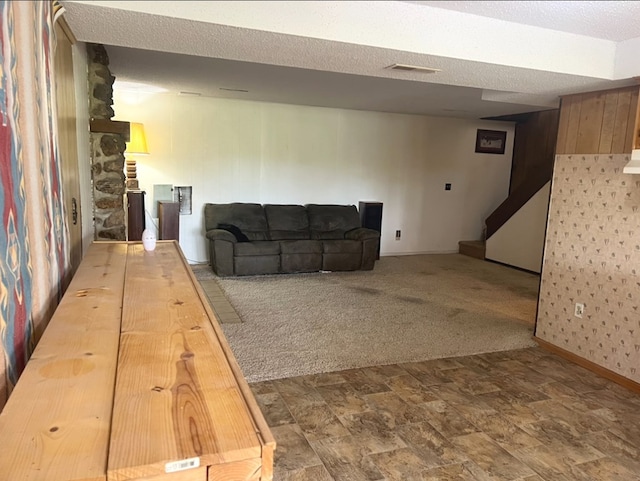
(132, 178)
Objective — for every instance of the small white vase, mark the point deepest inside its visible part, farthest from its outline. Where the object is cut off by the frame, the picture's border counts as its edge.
(148, 240)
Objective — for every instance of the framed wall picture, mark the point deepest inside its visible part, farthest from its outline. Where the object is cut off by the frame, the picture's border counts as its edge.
(490, 141)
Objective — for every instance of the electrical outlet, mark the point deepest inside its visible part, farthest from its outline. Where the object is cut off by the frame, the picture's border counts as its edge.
(398, 234)
(579, 310)
(447, 186)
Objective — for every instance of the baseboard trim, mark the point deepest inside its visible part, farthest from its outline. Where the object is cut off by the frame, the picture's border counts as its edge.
(418, 253)
(590, 365)
(493, 261)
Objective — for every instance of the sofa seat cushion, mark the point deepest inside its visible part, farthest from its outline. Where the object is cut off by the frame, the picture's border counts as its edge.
(301, 255)
(341, 255)
(342, 247)
(257, 248)
(301, 247)
(289, 234)
(328, 234)
(256, 265)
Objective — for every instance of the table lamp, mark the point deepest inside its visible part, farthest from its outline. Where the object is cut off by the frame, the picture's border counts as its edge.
(137, 145)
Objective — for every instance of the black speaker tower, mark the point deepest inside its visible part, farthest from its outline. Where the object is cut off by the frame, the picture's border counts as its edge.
(371, 217)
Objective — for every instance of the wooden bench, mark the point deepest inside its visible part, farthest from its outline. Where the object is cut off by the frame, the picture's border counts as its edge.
(133, 379)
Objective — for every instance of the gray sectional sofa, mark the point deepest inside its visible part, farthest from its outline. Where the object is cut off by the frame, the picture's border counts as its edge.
(248, 239)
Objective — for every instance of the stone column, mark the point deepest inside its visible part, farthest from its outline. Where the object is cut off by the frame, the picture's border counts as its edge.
(107, 152)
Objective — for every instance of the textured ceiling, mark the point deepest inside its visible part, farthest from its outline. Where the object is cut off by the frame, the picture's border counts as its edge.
(334, 54)
(600, 19)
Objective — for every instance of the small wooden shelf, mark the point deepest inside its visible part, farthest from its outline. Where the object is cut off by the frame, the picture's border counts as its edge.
(168, 220)
(135, 214)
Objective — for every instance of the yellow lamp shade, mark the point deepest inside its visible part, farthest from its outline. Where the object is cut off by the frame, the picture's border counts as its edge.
(138, 141)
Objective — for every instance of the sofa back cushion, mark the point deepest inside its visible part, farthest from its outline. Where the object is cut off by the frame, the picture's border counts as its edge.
(249, 218)
(287, 222)
(332, 221)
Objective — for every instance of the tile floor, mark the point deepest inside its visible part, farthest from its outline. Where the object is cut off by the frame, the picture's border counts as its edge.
(225, 312)
(524, 415)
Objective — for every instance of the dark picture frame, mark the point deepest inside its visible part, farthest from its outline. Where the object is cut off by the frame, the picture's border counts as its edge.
(490, 141)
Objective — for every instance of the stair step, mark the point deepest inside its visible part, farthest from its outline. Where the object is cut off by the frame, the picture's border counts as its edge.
(476, 248)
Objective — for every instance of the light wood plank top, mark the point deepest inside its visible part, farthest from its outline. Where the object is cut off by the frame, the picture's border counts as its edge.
(177, 396)
(132, 378)
(56, 423)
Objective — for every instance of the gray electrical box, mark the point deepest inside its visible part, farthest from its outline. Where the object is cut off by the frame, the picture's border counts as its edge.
(182, 195)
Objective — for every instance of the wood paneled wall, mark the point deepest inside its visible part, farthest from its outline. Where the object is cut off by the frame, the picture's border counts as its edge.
(534, 146)
(603, 122)
(68, 142)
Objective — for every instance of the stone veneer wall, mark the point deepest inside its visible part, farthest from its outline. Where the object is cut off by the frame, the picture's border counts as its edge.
(107, 152)
(592, 256)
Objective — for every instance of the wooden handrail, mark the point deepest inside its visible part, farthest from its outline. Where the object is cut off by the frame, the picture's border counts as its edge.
(516, 200)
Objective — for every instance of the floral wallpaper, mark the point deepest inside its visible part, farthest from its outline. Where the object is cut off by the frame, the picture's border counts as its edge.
(592, 256)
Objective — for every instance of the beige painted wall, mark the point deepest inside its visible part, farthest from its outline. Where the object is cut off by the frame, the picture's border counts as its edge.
(245, 151)
(592, 256)
(520, 241)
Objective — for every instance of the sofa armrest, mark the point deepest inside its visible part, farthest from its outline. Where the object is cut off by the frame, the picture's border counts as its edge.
(220, 234)
(221, 247)
(361, 234)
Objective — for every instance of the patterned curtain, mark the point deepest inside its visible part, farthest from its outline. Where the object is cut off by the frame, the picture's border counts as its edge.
(34, 247)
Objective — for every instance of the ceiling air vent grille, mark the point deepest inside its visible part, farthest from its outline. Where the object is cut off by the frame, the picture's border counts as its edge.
(413, 68)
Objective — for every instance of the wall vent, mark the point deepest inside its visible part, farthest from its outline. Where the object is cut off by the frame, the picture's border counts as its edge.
(413, 68)
(233, 90)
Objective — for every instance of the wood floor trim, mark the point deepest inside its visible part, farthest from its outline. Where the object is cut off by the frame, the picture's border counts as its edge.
(590, 365)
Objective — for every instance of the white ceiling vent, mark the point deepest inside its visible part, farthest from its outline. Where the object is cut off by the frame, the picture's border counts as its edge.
(413, 68)
(233, 90)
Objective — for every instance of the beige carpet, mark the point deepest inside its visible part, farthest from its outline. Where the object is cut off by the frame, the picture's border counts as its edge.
(408, 308)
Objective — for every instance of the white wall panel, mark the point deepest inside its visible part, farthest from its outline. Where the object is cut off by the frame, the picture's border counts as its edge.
(520, 241)
(241, 151)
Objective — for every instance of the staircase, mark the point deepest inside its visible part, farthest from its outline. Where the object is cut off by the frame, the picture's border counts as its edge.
(503, 213)
(532, 167)
(515, 201)
(472, 248)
